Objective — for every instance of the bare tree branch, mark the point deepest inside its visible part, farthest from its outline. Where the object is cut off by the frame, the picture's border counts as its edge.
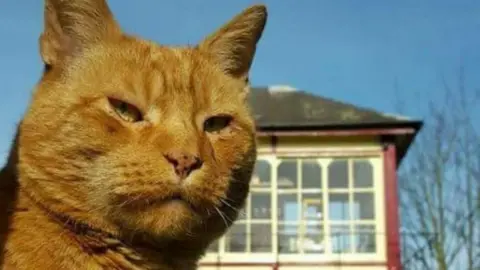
(440, 182)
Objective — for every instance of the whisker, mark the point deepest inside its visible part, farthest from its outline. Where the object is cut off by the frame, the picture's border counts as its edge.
(99, 208)
(228, 199)
(241, 212)
(222, 216)
(228, 204)
(125, 202)
(131, 199)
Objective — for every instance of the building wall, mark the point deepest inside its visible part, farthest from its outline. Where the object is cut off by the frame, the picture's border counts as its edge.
(323, 149)
(290, 267)
(321, 145)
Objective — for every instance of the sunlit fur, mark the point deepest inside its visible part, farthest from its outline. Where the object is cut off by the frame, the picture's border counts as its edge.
(88, 178)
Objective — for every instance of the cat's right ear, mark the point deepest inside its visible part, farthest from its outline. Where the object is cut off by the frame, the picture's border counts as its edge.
(73, 25)
(233, 46)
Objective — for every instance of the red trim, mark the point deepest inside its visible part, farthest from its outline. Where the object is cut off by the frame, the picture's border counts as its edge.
(391, 208)
(356, 132)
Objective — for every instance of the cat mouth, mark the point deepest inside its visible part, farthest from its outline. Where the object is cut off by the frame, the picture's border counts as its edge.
(147, 201)
(176, 197)
(173, 199)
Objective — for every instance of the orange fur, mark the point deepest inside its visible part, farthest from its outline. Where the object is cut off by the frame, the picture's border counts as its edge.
(86, 187)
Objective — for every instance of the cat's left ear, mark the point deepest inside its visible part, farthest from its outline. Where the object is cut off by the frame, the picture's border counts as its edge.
(233, 45)
(71, 26)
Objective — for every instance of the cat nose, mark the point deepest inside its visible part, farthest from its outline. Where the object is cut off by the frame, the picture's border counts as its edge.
(183, 163)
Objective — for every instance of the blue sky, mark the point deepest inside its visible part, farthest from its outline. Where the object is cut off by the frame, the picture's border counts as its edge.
(352, 51)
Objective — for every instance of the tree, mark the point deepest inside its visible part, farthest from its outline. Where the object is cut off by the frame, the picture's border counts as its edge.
(440, 184)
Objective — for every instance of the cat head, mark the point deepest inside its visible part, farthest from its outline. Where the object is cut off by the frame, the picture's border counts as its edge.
(129, 135)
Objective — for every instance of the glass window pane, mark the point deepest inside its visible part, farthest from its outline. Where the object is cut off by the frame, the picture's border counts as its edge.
(363, 206)
(213, 247)
(311, 174)
(365, 239)
(338, 174)
(312, 207)
(235, 239)
(287, 174)
(261, 237)
(313, 239)
(340, 238)
(242, 213)
(261, 174)
(362, 174)
(287, 239)
(338, 206)
(288, 207)
(260, 205)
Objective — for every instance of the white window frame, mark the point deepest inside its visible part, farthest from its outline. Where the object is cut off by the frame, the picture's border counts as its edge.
(324, 158)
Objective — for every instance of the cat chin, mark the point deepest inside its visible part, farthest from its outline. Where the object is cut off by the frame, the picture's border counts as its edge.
(171, 219)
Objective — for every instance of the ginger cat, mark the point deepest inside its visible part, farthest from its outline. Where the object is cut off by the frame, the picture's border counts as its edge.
(131, 155)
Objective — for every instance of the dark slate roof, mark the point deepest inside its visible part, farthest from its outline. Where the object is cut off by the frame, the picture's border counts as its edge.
(279, 110)
(276, 109)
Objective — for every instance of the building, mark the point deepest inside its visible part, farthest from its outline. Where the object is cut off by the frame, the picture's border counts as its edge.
(324, 192)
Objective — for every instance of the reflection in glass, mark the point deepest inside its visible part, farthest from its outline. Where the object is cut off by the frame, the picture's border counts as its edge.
(242, 213)
(311, 174)
(338, 174)
(288, 207)
(312, 209)
(363, 206)
(261, 237)
(365, 239)
(338, 206)
(262, 173)
(213, 247)
(287, 239)
(287, 174)
(340, 238)
(313, 239)
(260, 205)
(235, 239)
(362, 174)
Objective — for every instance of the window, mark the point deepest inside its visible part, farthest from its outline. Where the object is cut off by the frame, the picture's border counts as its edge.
(351, 205)
(259, 215)
(252, 232)
(235, 239)
(262, 174)
(300, 206)
(315, 205)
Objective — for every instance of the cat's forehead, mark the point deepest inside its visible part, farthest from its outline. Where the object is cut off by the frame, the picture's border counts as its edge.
(153, 73)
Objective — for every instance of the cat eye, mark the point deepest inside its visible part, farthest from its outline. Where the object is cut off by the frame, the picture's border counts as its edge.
(126, 111)
(216, 123)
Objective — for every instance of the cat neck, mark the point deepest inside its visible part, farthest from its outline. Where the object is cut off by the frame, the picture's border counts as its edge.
(89, 244)
(137, 253)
